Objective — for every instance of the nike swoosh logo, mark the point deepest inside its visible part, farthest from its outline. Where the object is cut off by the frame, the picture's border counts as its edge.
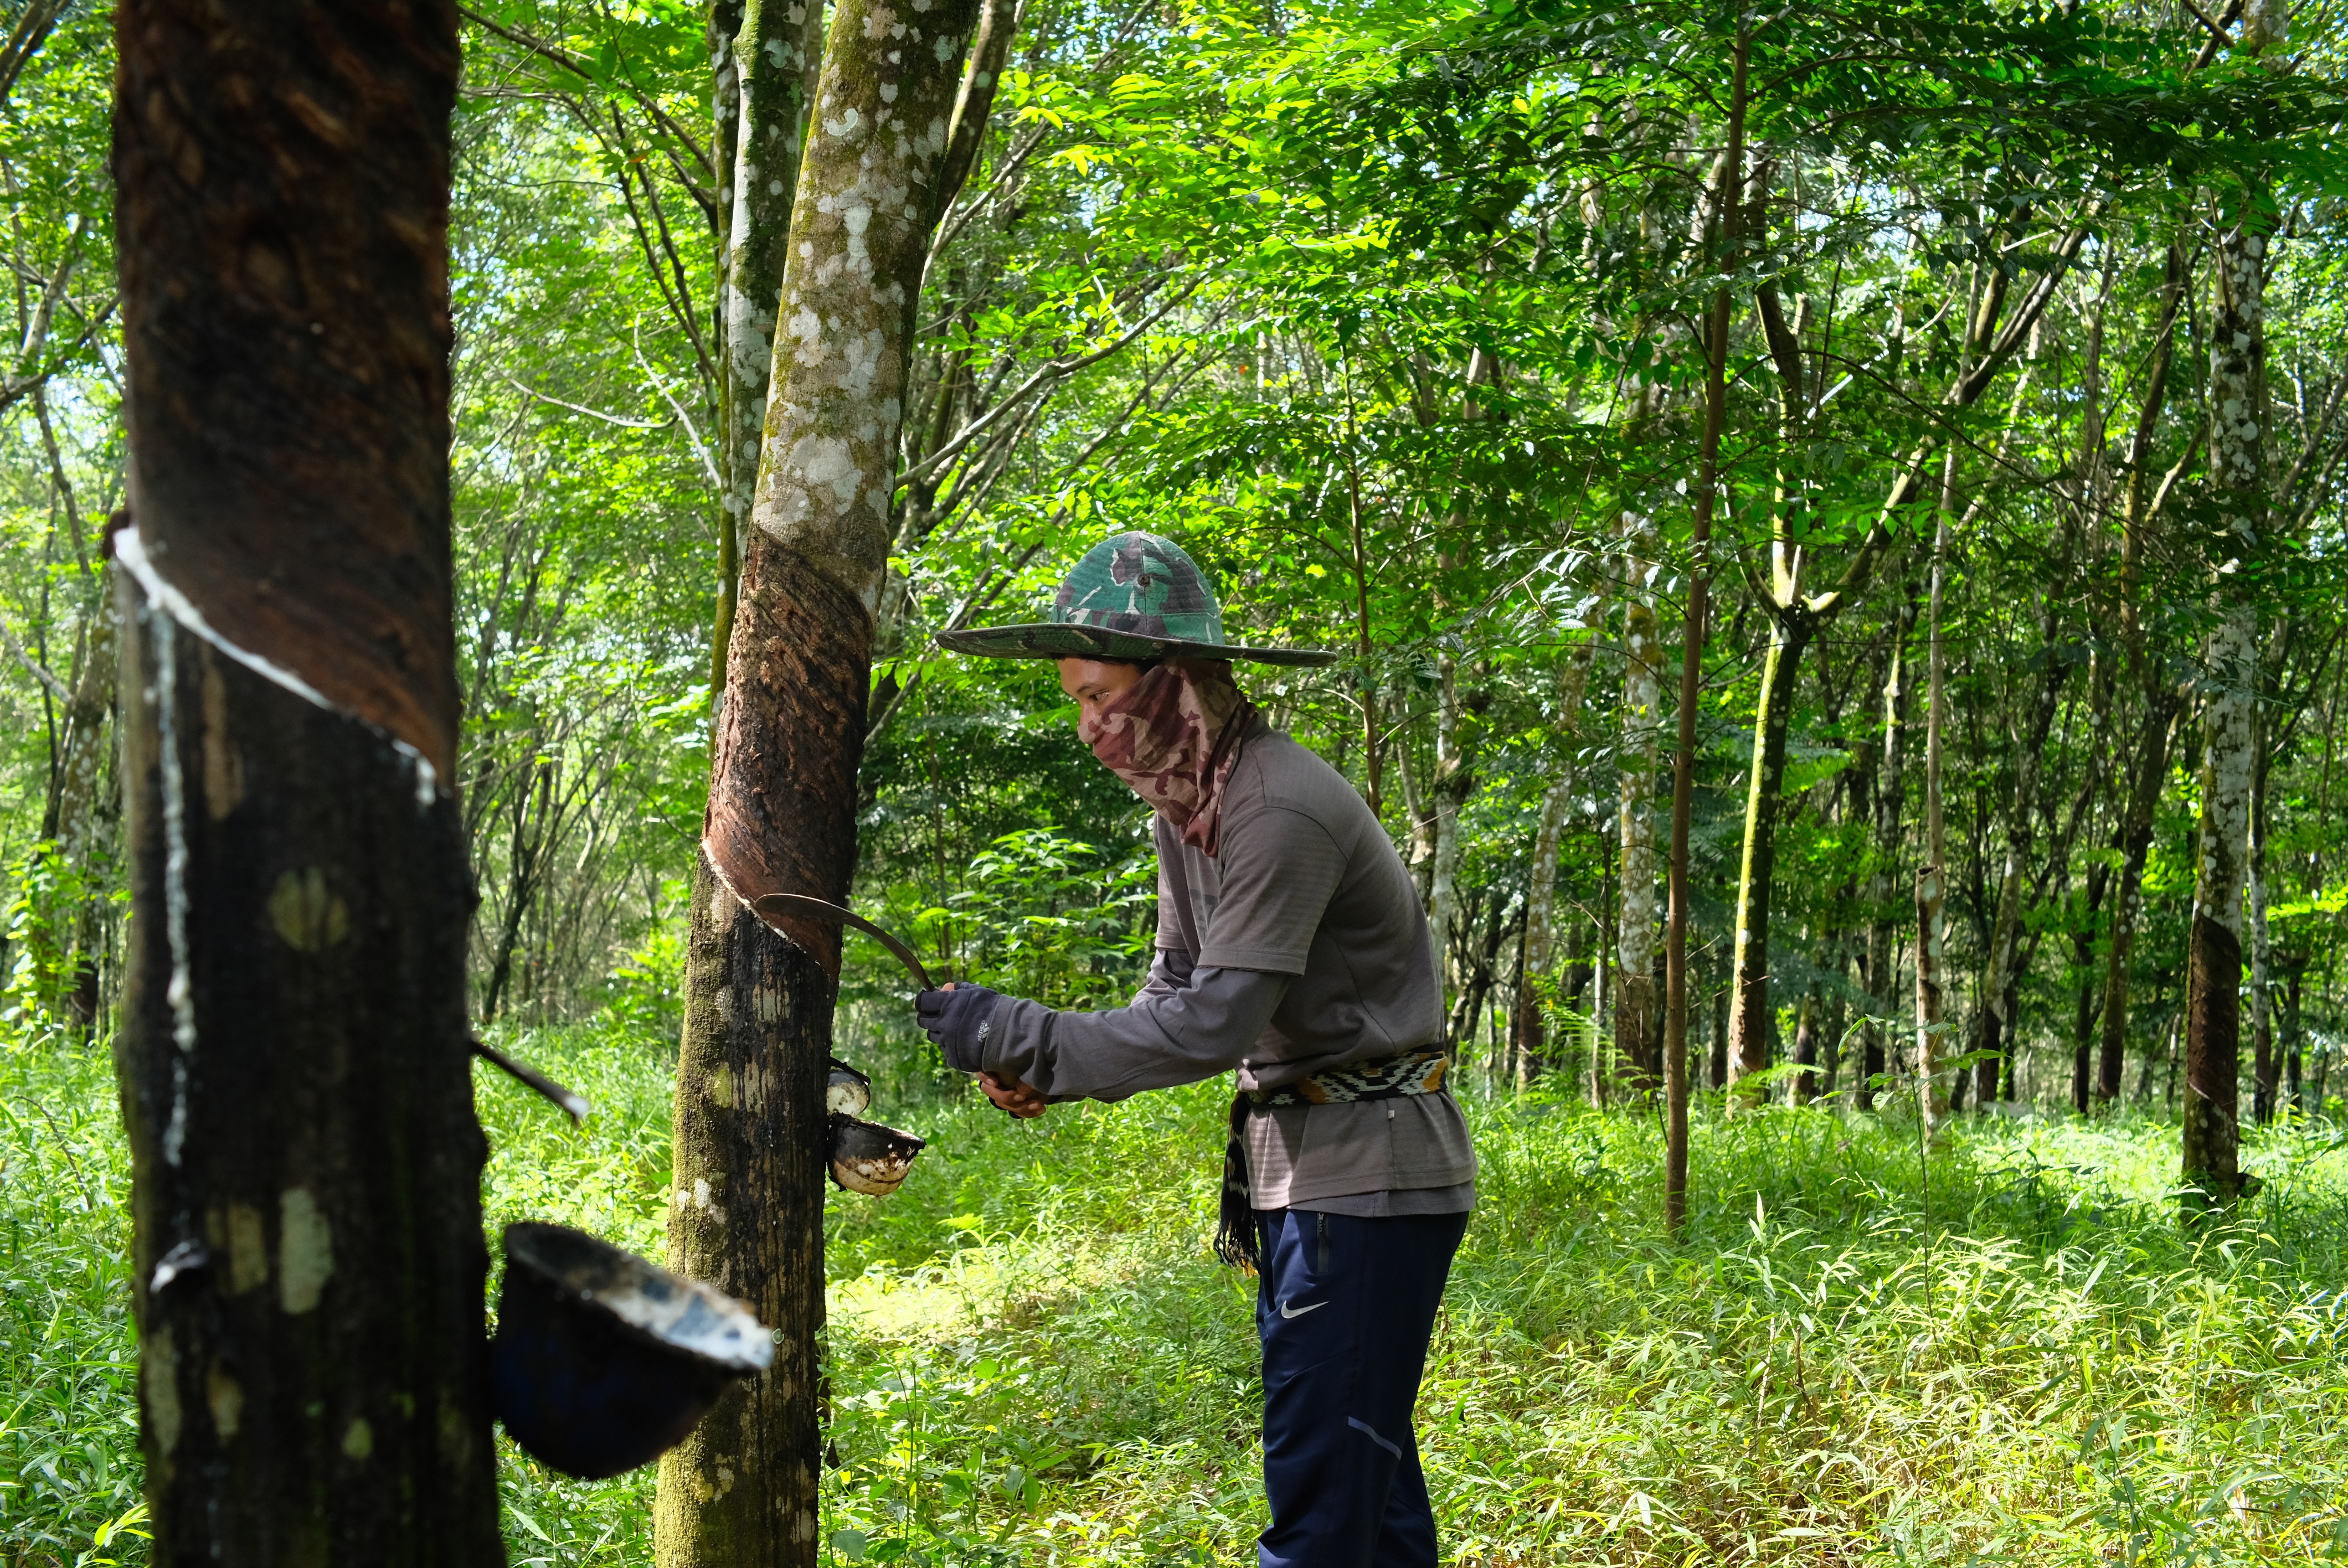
(1287, 1311)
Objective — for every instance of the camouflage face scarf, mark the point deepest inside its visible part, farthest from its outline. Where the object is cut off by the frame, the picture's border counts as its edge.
(1174, 736)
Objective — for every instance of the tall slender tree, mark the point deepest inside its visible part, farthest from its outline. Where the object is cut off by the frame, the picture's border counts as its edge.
(2212, 1141)
(1637, 1026)
(1692, 631)
(1539, 982)
(2156, 688)
(750, 1136)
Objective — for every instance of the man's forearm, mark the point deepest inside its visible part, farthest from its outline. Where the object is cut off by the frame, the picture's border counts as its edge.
(1167, 1037)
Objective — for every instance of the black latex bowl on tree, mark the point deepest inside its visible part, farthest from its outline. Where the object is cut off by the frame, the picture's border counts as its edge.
(869, 1158)
(602, 1361)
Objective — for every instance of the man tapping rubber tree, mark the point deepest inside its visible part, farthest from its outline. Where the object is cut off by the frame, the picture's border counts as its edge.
(1290, 946)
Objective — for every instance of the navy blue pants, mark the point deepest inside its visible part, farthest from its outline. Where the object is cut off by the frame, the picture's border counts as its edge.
(1345, 1307)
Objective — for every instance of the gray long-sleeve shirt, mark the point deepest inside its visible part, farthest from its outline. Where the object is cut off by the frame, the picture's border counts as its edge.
(1298, 947)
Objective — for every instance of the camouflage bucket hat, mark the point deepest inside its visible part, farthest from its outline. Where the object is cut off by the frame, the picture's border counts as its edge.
(1134, 596)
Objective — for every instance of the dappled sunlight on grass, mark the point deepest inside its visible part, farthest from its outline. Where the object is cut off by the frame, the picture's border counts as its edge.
(1033, 1359)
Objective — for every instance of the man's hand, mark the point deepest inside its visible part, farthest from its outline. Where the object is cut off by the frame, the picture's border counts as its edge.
(955, 1014)
(958, 1017)
(1014, 1097)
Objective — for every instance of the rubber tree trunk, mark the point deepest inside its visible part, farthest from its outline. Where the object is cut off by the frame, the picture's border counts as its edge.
(1931, 879)
(1638, 1021)
(1540, 986)
(1540, 930)
(1692, 632)
(2212, 1141)
(1998, 989)
(1678, 917)
(2083, 960)
(2151, 680)
(1806, 1046)
(1749, 1018)
(2145, 785)
(1453, 782)
(79, 817)
(750, 1142)
(1882, 943)
(308, 1263)
(764, 54)
(2266, 1071)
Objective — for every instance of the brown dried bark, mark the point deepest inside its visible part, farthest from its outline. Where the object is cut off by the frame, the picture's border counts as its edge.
(293, 1060)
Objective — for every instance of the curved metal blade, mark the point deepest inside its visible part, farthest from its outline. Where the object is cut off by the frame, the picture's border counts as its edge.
(822, 909)
(569, 1101)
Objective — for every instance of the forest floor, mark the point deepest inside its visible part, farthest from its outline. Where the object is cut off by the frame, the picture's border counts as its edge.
(1035, 1360)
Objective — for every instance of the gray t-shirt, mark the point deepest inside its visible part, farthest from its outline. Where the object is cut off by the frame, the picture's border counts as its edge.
(1300, 947)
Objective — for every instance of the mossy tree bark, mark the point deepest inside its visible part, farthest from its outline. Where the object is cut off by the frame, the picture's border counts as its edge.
(750, 1145)
(293, 1054)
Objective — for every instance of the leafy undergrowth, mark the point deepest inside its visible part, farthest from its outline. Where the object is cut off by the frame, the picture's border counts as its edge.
(2015, 1354)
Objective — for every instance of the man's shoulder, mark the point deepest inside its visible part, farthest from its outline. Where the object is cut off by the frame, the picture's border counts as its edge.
(1281, 775)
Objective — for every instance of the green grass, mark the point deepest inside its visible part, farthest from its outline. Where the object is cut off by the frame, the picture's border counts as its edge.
(1035, 1360)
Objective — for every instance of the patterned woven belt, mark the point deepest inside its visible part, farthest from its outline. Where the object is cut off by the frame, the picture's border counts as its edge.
(1413, 1072)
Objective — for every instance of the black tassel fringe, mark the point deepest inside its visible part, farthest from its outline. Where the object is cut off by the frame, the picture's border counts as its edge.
(1235, 1237)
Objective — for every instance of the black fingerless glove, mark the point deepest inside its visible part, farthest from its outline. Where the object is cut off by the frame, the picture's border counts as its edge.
(959, 1020)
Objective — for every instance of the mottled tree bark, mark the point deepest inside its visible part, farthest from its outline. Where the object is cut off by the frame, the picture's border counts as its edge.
(2082, 957)
(763, 56)
(79, 817)
(2211, 1143)
(308, 1266)
(1541, 938)
(749, 1140)
(2146, 781)
(1806, 1046)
